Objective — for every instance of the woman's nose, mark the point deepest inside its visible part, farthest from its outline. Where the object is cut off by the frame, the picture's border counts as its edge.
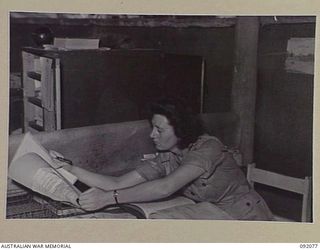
(153, 133)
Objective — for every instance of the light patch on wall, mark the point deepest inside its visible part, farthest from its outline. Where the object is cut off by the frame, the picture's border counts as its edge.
(300, 55)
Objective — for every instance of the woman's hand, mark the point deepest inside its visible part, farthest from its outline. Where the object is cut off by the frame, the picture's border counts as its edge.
(94, 199)
(58, 163)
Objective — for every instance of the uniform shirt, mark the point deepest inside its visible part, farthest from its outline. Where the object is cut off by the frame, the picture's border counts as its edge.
(222, 182)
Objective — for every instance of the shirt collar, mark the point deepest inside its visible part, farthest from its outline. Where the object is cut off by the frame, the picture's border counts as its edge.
(178, 152)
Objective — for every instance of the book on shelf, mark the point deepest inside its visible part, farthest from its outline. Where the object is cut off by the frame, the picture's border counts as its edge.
(33, 167)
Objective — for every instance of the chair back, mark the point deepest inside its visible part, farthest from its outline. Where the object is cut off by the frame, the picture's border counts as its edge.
(288, 183)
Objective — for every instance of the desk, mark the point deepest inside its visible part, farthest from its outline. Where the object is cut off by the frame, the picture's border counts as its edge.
(25, 207)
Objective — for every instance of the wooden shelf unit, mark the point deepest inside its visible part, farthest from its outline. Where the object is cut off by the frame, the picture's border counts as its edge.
(40, 101)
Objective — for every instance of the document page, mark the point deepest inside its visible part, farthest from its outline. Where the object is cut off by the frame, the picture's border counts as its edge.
(47, 182)
(33, 167)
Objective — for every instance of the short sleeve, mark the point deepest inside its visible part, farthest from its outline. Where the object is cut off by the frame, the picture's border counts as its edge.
(206, 155)
(151, 169)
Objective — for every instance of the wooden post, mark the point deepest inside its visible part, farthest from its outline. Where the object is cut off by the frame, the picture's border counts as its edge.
(245, 81)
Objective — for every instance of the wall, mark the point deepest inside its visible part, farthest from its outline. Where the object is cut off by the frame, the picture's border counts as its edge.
(214, 44)
(283, 131)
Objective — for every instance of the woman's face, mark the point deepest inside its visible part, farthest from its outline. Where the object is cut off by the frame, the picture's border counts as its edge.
(162, 134)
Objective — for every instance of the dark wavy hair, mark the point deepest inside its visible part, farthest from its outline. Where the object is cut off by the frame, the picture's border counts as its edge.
(186, 124)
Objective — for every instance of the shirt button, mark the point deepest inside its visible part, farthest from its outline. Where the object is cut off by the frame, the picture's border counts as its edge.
(204, 185)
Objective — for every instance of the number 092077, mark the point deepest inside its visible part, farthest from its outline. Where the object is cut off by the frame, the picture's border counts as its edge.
(309, 245)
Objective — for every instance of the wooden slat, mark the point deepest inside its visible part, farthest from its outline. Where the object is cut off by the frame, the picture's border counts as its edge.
(47, 88)
(250, 166)
(28, 66)
(28, 113)
(36, 101)
(297, 185)
(277, 180)
(49, 120)
(57, 81)
(28, 87)
(306, 202)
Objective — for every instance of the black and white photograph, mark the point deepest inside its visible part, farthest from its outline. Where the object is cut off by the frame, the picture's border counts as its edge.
(190, 117)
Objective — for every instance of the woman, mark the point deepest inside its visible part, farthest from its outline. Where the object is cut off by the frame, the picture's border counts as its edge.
(189, 162)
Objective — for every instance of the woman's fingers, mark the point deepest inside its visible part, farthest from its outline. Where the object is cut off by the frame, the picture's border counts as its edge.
(58, 163)
(55, 154)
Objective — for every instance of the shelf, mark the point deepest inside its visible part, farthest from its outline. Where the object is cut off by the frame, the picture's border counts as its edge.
(35, 126)
(36, 101)
(39, 92)
(34, 75)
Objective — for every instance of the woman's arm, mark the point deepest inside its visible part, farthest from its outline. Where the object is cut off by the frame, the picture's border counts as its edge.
(106, 182)
(94, 198)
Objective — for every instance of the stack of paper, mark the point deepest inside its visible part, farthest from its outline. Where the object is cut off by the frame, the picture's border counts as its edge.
(76, 43)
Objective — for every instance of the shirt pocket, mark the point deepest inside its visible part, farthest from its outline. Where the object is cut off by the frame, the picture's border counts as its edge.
(248, 207)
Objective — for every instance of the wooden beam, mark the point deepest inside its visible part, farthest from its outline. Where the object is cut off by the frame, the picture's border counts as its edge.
(245, 81)
(175, 21)
(274, 20)
(178, 21)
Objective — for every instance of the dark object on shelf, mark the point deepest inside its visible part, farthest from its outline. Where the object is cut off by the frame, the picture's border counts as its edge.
(36, 101)
(42, 36)
(34, 75)
(35, 126)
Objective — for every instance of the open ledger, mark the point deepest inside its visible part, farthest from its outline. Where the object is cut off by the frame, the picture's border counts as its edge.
(33, 167)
